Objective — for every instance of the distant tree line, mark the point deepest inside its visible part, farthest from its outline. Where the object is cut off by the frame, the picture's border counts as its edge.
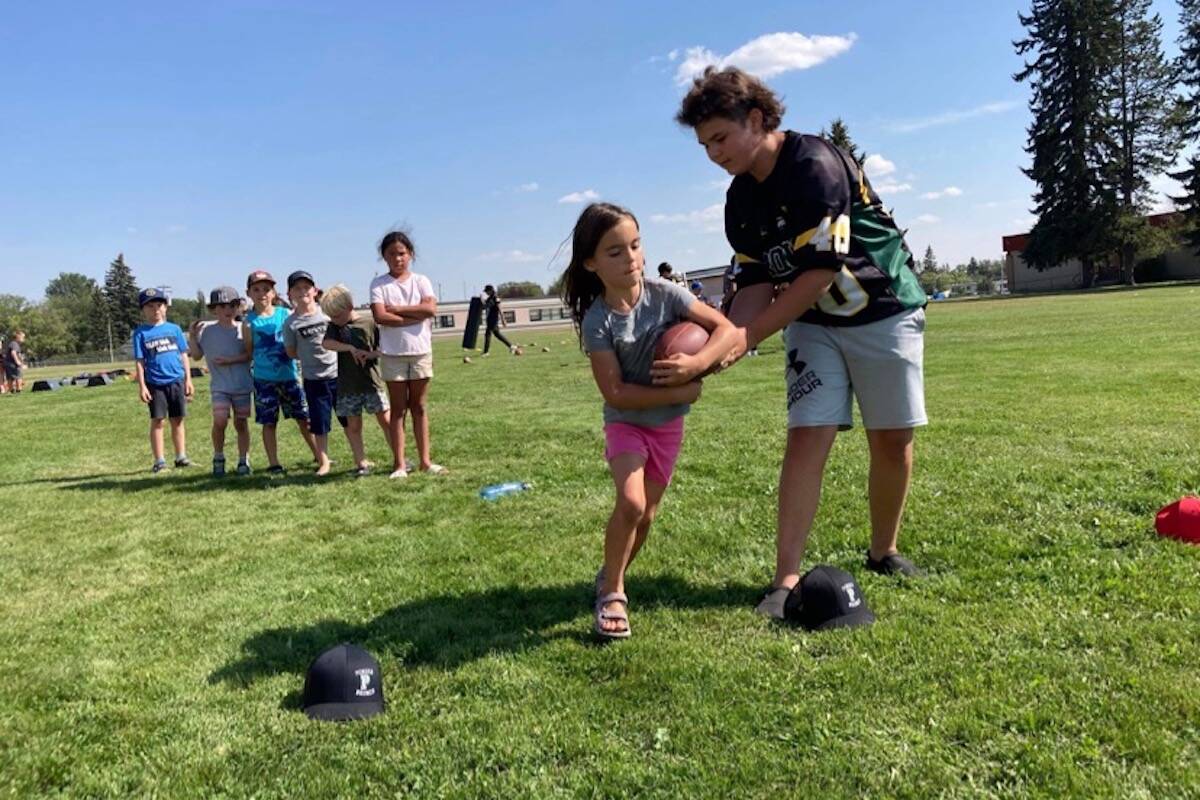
(79, 316)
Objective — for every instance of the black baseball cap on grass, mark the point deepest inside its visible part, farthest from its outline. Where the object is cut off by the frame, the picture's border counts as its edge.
(827, 597)
(342, 683)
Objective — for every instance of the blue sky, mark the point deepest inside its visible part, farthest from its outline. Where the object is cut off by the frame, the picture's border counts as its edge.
(206, 140)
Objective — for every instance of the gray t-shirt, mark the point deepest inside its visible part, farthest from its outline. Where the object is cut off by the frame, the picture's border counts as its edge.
(632, 337)
(304, 334)
(215, 341)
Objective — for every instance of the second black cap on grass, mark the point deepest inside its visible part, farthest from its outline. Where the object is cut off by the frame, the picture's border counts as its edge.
(827, 597)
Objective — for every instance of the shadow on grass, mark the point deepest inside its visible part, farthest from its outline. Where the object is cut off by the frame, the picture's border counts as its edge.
(196, 479)
(452, 629)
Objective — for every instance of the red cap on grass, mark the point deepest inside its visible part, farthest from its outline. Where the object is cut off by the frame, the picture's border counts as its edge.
(1180, 520)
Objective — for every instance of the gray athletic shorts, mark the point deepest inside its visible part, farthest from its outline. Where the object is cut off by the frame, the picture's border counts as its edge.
(880, 363)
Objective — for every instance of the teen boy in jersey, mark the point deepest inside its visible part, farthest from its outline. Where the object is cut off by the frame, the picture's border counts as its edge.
(801, 216)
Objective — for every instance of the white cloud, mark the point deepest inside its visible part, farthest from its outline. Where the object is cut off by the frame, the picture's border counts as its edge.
(532, 186)
(674, 54)
(990, 204)
(949, 191)
(766, 56)
(950, 117)
(710, 219)
(1163, 188)
(1024, 223)
(172, 229)
(876, 166)
(928, 219)
(586, 196)
(891, 187)
(510, 256)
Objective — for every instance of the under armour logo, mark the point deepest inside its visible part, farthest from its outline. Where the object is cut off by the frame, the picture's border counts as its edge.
(794, 362)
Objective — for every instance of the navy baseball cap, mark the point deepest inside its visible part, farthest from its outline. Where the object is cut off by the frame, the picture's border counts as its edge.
(343, 683)
(150, 295)
(301, 275)
(827, 597)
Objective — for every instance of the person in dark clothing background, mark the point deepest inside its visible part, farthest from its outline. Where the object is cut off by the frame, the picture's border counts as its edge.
(493, 319)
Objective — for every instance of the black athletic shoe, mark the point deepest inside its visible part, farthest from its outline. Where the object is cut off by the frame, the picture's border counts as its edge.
(183, 461)
(159, 466)
(894, 564)
(218, 470)
(276, 469)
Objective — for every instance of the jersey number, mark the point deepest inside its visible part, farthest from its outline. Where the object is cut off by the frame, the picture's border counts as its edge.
(845, 297)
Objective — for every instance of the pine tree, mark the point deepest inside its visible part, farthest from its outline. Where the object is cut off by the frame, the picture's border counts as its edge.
(1145, 129)
(1072, 44)
(929, 262)
(839, 135)
(120, 299)
(1189, 122)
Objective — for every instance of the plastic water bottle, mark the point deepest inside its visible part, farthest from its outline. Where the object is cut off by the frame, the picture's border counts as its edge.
(498, 490)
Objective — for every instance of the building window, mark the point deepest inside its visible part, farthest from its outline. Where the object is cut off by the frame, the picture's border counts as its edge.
(510, 317)
(445, 321)
(535, 315)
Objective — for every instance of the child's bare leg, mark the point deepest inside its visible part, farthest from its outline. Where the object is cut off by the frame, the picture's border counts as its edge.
(384, 418)
(398, 397)
(654, 494)
(156, 438)
(178, 437)
(321, 440)
(354, 426)
(242, 426)
(628, 471)
(270, 444)
(418, 391)
(306, 434)
(220, 421)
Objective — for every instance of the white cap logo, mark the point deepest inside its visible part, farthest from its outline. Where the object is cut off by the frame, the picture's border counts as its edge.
(852, 599)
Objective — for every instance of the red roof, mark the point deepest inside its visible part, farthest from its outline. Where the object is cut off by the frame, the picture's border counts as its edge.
(1019, 241)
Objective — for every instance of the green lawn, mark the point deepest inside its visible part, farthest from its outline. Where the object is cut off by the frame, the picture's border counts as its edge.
(155, 630)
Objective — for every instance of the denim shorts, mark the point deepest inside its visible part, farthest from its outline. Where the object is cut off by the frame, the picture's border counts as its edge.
(321, 394)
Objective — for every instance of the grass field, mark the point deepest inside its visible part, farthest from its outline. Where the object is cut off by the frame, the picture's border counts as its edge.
(155, 630)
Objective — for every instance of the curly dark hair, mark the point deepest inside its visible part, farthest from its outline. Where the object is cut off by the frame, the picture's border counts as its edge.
(397, 236)
(729, 93)
(581, 286)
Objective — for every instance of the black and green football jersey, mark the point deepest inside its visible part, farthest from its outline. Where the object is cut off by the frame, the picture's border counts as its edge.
(817, 210)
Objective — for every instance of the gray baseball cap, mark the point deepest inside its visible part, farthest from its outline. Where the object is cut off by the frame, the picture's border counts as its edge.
(222, 295)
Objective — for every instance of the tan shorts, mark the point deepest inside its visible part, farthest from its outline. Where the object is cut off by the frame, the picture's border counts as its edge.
(406, 368)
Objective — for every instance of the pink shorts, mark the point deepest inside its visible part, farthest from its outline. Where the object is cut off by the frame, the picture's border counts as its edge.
(659, 445)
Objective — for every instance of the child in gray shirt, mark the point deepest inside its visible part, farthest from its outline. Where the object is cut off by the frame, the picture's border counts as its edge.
(220, 344)
(303, 335)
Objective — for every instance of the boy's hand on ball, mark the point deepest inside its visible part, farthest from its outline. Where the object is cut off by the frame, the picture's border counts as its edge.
(740, 345)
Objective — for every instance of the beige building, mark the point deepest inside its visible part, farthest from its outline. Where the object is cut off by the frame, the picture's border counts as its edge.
(1177, 265)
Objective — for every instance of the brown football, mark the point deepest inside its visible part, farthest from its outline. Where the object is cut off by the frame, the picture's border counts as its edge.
(683, 337)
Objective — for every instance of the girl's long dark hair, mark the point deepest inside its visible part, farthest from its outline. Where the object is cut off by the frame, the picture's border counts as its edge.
(581, 286)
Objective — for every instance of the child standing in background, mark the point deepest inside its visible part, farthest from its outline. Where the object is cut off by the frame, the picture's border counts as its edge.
(163, 374)
(303, 337)
(220, 344)
(360, 390)
(274, 372)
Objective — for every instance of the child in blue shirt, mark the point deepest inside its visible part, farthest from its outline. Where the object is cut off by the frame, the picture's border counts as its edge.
(164, 375)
